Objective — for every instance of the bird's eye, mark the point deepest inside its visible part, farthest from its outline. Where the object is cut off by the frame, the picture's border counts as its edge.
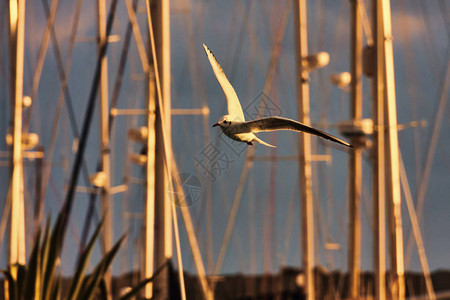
(225, 122)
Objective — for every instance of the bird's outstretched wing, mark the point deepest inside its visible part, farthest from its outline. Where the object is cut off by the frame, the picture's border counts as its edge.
(234, 107)
(278, 123)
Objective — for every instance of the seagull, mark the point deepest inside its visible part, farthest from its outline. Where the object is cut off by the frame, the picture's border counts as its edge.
(234, 125)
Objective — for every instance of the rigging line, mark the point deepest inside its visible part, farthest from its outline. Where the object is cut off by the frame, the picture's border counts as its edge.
(41, 59)
(238, 49)
(130, 123)
(208, 188)
(334, 49)
(324, 222)
(322, 81)
(62, 74)
(231, 29)
(411, 71)
(251, 35)
(289, 225)
(178, 247)
(64, 87)
(2, 64)
(276, 50)
(233, 213)
(432, 51)
(4, 219)
(251, 190)
(416, 230)
(172, 169)
(114, 99)
(440, 113)
(67, 206)
(446, 18)
(48, 159)
(270, 74)
(200, 93)
(137, 35)
(121, 70)
(365, 22)
(321, 20)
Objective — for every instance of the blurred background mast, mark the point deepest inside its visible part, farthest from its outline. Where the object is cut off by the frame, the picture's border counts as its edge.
(355, 167)
(379, 184)
(104, 172)
(392, 155)
(304, 140)
(160, 10)
(17, 40)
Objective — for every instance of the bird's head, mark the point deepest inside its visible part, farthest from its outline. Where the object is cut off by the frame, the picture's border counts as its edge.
(224, 121)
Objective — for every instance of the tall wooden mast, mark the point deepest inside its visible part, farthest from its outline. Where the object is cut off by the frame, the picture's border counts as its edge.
(392, 156)
(104, 131)
(379, 185)
(305, 173)
(355, 167)
(386, 152)
(163, 217)
(17, 41)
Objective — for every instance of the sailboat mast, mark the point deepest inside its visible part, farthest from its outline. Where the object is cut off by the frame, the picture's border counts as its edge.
(104, 131)
(163, 216)
(379, 184)
(304, 155)
(150, 194)
(17, 41)
(386, 150)
(355, 167)
(392, 155)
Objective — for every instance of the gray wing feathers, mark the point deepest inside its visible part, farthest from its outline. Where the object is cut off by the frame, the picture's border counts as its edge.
(278, 123)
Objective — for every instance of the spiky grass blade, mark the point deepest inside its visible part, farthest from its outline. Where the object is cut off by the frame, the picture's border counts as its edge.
(136, 289)
(100, 270)
(32, 281)
(12, 287)
(79, 275)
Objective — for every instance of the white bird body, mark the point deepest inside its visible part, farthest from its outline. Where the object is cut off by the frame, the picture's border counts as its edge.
(234, 125)
(237, 131)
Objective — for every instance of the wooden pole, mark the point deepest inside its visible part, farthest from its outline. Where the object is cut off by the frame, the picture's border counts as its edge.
(304, 155)
(171, 166)
(355, 168)
(150, 201)
(105, 201)
(379, 189)
(17, 40)
(163, 215)
(392, 155)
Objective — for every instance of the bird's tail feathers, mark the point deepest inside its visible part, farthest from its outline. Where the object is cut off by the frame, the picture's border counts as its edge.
(262, 142)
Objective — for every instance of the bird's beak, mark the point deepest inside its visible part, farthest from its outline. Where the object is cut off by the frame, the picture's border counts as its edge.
(217, 124)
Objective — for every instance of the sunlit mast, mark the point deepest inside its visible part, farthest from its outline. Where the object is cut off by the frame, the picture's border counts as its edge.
(304, 142)
(17, 41)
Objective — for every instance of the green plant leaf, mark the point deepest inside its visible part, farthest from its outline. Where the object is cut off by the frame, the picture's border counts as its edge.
(20, 281)
(32, 280)
(79, 276)
(54, 251)
(103, 290)
(137, 288)
(12, 287)
(56, 291)
(100, 271)
(45, 245)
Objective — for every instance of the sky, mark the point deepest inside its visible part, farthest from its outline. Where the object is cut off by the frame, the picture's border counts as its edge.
(242, 35)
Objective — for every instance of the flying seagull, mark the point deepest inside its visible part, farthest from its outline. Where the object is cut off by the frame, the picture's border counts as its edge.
(234, 125)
